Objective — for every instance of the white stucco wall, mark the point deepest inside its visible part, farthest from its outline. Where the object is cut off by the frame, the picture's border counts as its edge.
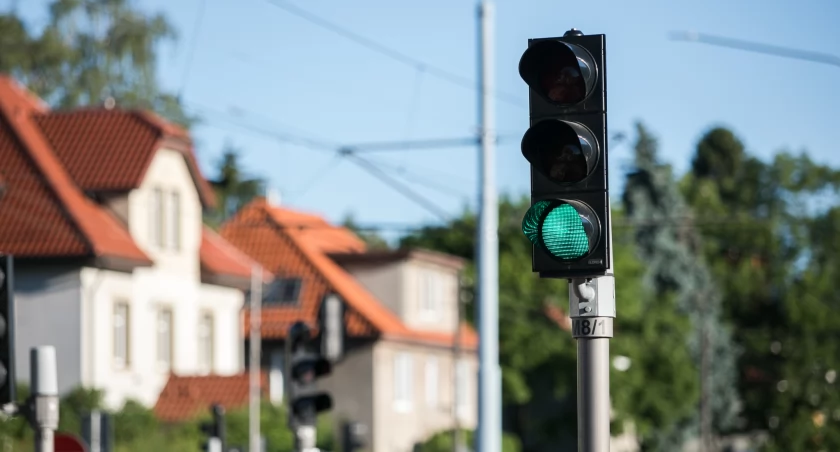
(173, 283)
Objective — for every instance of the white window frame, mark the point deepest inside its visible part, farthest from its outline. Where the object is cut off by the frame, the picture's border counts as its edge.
(121, 335)
(431, 294)
(403, 382)
(164, 338)
(276, 382)
(156, 217)
(173, 224)
(462, 381)
(206, 343)
(432, 380)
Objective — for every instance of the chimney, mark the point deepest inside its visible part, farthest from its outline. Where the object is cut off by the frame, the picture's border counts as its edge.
(272, 196)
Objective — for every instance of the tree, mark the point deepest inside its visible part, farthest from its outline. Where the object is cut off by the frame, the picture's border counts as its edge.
(775, 260)
(233, 188)
(676, 270)
(91, 50)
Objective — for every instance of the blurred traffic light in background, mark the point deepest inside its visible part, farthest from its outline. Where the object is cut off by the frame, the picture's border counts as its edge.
(306, 366)
(568, 222)
(7, 330)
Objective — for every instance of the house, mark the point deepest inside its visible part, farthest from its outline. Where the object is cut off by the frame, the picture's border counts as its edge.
(102, 210)
(400, 371)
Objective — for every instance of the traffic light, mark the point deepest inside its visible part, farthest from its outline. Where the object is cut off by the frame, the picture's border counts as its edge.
(569, 219)
(214, 430)
(353, 436)
(305, 401)
(7, 330)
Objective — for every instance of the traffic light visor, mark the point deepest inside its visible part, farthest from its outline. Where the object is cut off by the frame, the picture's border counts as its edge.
(562, 73)
(565, 152)
(566, 229)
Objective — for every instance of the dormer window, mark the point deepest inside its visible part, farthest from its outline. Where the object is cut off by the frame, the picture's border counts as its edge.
(156, 217)
(165, 219)
(431, 294)
(283, 291)
(173, 236)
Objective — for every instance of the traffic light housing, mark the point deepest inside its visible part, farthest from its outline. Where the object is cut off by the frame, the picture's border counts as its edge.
(214, 429)
(353, 436)
(7, 330)
(306, 366)
(568, 223)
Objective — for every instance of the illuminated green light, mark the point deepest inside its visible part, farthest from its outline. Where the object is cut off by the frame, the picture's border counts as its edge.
(531, 222)
(563, 233)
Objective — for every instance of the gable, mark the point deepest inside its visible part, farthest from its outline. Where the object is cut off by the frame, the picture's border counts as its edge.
(43, 201)
(278, 254)
(123, 141)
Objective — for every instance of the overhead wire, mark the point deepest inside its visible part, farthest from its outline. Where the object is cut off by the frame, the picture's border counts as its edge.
(389, 52)
(384, 177)
(202, 5)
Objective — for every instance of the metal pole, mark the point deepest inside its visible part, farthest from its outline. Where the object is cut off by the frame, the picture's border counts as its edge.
(43, 403)
(489, 435)
(457, 437)
(254, 363)
(592, 308)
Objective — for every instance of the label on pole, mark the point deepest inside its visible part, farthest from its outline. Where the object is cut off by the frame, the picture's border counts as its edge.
(592, 327)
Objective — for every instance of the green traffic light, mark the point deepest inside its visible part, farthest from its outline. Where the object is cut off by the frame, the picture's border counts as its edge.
(565, 231)
(563, 234)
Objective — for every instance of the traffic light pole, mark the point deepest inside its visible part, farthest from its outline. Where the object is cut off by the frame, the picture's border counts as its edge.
(592, 304)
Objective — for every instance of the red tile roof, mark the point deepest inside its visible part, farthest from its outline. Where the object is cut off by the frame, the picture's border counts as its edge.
(185, 398)
(221, 258)
(290, 243)
(86, 140)
(48, 158)
(43, 213)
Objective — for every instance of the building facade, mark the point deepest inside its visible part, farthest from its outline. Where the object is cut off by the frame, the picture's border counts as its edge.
(102, 209)
(402, 374)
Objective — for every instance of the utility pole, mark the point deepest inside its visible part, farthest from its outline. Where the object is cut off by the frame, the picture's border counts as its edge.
(457, 435)
(489, 435)
(43, 403)
(254, 442)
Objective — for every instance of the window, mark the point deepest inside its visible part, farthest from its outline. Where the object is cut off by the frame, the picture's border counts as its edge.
(173, 237)
(431, 294)
(121, 344)
(156, 217)
(432, 382)
(205, 343)
(402, 381)
(283, 291)
(275, 376)
(461, 380)
(164, 339)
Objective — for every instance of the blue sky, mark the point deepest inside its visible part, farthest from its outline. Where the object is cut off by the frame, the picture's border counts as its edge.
(282, 74)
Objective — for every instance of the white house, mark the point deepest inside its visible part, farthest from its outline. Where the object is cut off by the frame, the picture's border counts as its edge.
(102, 209)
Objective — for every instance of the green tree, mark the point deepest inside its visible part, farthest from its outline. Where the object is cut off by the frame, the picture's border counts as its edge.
(233, 187)
(771, 239)
(676, 272)
(91, 50)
